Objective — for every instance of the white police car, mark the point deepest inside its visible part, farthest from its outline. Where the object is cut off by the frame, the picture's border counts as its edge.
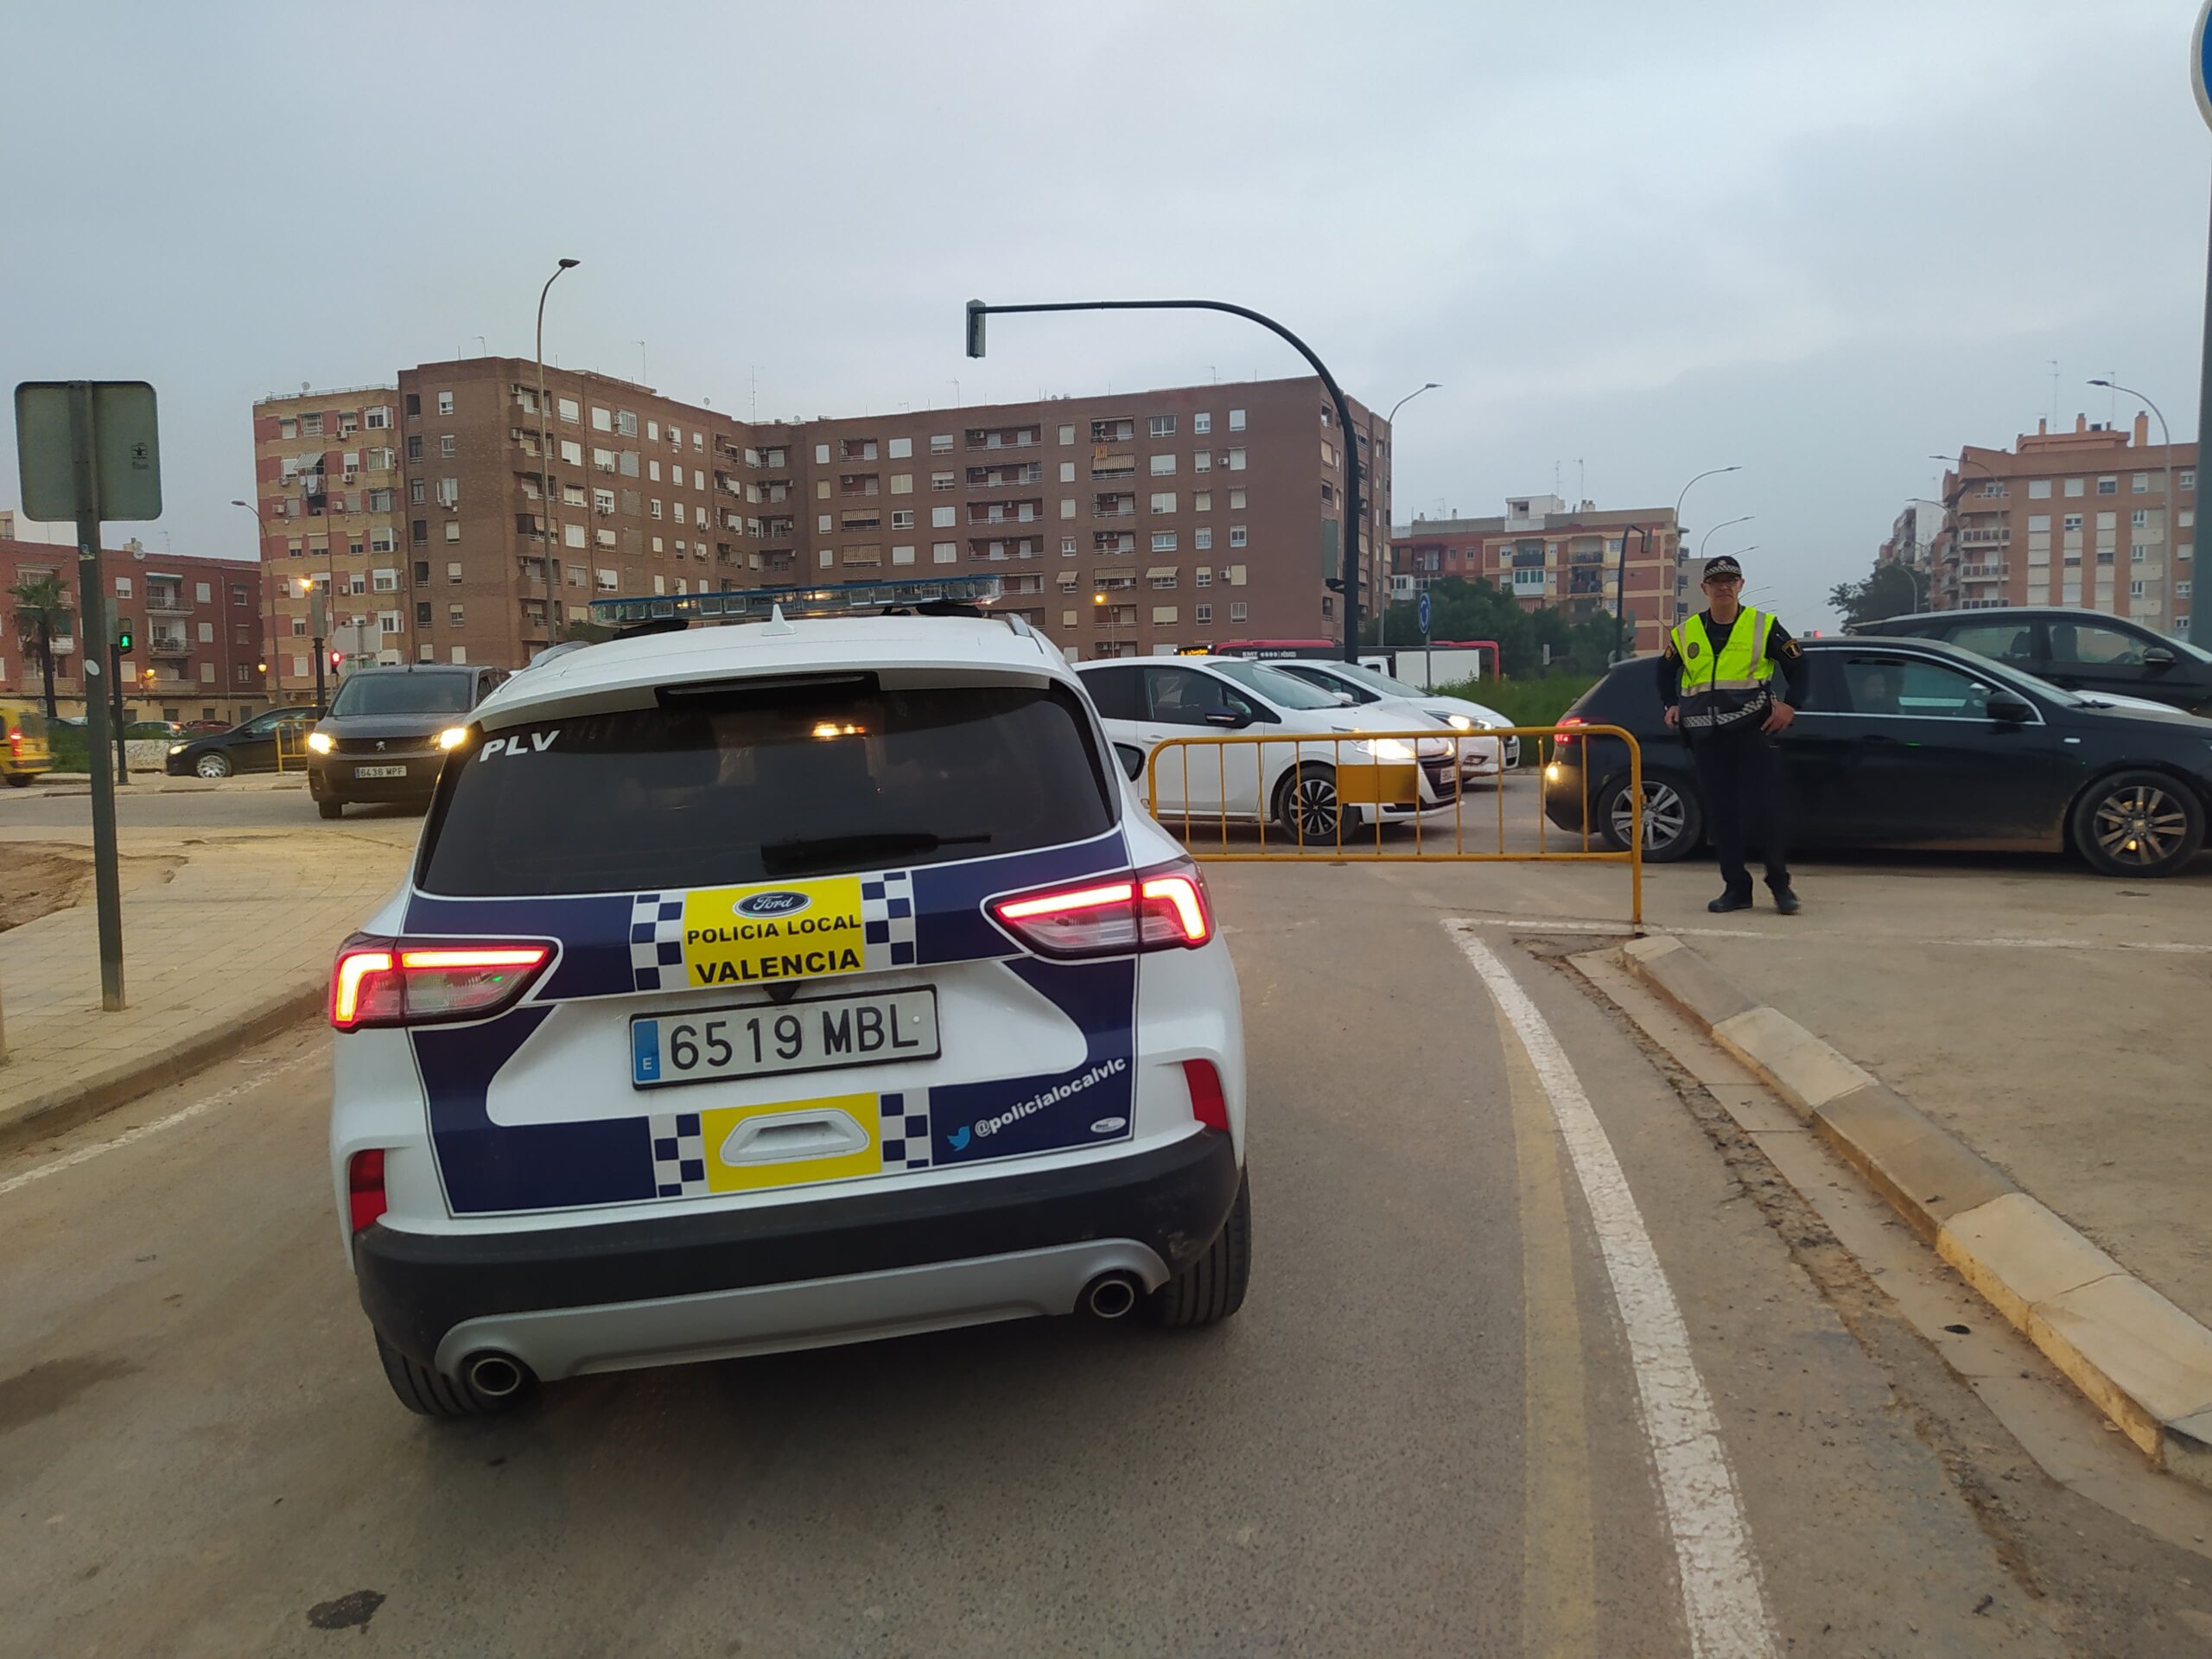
(779, 985)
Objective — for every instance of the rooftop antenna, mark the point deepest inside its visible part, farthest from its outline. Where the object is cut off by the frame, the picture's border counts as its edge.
(1554, 477)
(1581, 480)
(2054, 391)
(640, 345)
(775, 624)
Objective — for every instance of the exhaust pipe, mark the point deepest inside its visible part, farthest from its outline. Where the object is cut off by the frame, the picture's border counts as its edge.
(1111, 1295)
(494, 1375)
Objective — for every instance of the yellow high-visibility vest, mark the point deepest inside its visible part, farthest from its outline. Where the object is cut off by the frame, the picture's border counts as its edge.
(1725, 688)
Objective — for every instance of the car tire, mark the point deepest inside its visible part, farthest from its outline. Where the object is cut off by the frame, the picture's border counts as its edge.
(2138, 822)
(1211, 1286)
(216, 764)
(19, 781)
(1309, 794)
(1673, 819)
(430, 1393)
(330, 808)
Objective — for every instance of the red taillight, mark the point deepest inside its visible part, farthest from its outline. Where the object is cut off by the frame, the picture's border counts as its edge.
(1208, 1104)
(16, 738)
(387, 983)
(365, 1186)
(1560, 736)
(1159, 909)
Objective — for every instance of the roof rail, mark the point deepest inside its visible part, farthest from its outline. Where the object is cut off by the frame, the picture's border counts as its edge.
(954, 596)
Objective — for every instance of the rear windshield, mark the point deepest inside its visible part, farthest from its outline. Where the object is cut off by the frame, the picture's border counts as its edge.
(772, 784)
(406, 694)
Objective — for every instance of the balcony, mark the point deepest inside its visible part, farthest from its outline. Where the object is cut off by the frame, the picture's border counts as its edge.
(166, 602)
(1006, 512)
(1001, 478)
(1113, 467)
(980, 548)
(168, 644)
(1996, 536)
(1113, 506)
(1004, 437)
(1984, 572)
(1113, 431)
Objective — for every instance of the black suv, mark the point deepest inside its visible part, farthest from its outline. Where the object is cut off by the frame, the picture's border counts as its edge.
(2082, 650)
(1909, 743)
(382, 740)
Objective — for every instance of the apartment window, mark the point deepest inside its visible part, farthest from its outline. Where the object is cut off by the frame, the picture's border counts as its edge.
(1067, 471)
(575, 573)
(238, 597)
(942, 518)
(1163, 541)
(606, 581)
(2181, 590)
(1328, 606)
(1067, 435)
(902, 518)
(449, 492)
(1201, 461)
(572, 453)
(602, 420)
(1237, 609)
(2141, 483)
(1328, 491)
(310, 426)
(1236, 536)
(1236, 461)
(1067, 507)
(2137, 552)
(821, 521)
(1163, 466)
(287, 428)
(1202, 539)
(418, 492)
(652, 471)
(414, 447)
(822, 454)
(2108, 486)
(652, 508)
(1202, 576)
(1163, 501)
(625, 422)
(1067, 546)
(680, 518)
(1202, 614)
(445, 402)
(1163, 426)
(419, 532)
(944, 552)
(2186, 479)
(1162, 580)
(379, 417)
(385, 581)
(2075, 486)
(453, 529)
(445, 443)
(453, 616)
(1236, 420)
(901, 448)
(381, 500)
(123, 586)
(2038, 489)
(940, 443)
(1202, 424)
(2135, 590)
(941, 480)
(2072, 521)
(1202, 501)
(572, 535)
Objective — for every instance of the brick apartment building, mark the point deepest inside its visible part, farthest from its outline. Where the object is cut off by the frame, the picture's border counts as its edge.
(1134, 524)
(1551, 556)
(2076, 518)
(196, 623)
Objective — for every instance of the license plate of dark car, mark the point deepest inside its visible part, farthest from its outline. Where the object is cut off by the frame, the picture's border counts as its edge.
(380, 771)
(768, 1038)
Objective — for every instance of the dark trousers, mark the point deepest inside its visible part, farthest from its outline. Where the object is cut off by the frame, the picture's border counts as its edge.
(1741, 777)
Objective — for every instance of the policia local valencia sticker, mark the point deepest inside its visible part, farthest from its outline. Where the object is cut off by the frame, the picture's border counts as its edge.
(748, 936)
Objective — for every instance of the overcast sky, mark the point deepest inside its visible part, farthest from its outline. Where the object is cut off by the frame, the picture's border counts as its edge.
(1633, 241)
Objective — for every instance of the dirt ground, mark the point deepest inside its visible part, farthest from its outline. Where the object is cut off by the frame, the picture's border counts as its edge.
(40, 881)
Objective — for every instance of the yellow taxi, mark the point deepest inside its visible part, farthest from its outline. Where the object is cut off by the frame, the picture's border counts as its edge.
(26, 754)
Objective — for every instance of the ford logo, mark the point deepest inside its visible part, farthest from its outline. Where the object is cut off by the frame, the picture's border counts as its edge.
(1109, 1125)
(773, 904)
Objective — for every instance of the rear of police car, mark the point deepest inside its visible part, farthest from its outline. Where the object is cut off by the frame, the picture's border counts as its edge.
(772, 986)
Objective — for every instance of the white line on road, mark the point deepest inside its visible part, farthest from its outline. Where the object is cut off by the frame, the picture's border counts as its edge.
(1722, 1602)
(1996, 941)
(182, 1115)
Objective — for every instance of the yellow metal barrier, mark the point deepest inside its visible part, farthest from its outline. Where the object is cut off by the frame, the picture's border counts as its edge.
(1384, 769)
(292, 743)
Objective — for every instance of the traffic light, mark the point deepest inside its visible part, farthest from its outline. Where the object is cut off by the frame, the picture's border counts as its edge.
(124, 638)
(336, 658)
(975, 315)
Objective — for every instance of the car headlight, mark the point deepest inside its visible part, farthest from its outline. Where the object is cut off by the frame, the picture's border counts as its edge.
(176, 748)
(320, 742)
(453, 737)
(1386, 748)
(1461, 722)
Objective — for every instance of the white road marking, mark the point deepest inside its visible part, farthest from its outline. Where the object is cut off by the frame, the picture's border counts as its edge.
(182, 1115)
(1722, 1602)
(1996, 941)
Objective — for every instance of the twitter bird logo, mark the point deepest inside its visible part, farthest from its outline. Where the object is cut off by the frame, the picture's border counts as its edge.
(959, 1138)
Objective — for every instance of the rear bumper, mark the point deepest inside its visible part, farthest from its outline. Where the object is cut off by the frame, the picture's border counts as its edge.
(699, 1285)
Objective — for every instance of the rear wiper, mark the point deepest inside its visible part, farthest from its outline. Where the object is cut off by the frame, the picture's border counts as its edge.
(786, 857)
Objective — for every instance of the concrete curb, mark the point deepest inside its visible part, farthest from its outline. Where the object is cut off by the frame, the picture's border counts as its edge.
(2145, 1363)
(68, 784)
(107, 1087)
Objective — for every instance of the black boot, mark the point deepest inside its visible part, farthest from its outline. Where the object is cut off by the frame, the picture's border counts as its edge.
(1734, 898)
(1786, 899)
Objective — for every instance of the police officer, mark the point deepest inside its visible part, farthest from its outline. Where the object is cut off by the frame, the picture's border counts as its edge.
(1717, 681)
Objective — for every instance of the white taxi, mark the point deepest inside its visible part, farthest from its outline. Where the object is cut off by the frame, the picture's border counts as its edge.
(1313, 774)
(776, 985)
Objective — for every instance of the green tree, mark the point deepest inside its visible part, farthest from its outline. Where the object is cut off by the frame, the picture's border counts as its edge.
(1461, 609)
(1892, 590)
(42, 615)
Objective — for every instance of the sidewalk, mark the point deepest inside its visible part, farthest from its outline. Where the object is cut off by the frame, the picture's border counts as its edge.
(225, 940)
(55, 783)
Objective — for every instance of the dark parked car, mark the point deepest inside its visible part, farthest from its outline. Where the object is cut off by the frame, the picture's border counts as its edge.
(1908, 743)
(2081, 650)
(250, 747)
(382, 740)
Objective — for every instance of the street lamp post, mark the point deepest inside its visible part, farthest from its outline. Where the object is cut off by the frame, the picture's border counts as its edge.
(545, 444)
(1383, 608)
(977, 311)
(1620, 574)
(269, 637)
(1718, 528)
(2165, 437)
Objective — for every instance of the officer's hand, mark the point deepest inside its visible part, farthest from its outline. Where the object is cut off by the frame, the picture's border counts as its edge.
(1674, 717)
(1780, 717)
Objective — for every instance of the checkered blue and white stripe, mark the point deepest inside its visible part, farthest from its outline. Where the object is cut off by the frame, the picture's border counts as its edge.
(906, 1129)
(679, 1156)
(887, 917)
(657, 940)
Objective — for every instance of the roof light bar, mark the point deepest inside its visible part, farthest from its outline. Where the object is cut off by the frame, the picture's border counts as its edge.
(759, 604)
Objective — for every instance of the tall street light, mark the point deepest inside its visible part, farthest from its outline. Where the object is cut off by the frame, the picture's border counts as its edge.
(2165, 437)
(1620, 573)
(274, 690)
(545, 444)
(1722, 526)
(1382, 607)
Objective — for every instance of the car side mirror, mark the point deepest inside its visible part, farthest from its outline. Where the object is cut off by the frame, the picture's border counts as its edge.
(2159, 657)
(1235, 719)
(2008, 711)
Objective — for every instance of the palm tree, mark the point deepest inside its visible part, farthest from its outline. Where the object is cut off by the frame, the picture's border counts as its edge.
(42, 613)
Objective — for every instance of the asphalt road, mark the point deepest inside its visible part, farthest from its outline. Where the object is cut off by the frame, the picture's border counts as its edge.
(1483, 1398)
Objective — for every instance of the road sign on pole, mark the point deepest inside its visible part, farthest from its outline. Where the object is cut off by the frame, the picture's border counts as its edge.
(1420, 610)
(89, 450)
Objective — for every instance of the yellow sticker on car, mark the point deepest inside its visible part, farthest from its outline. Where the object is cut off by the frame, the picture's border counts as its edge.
(758, 935)
(791, 1143)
